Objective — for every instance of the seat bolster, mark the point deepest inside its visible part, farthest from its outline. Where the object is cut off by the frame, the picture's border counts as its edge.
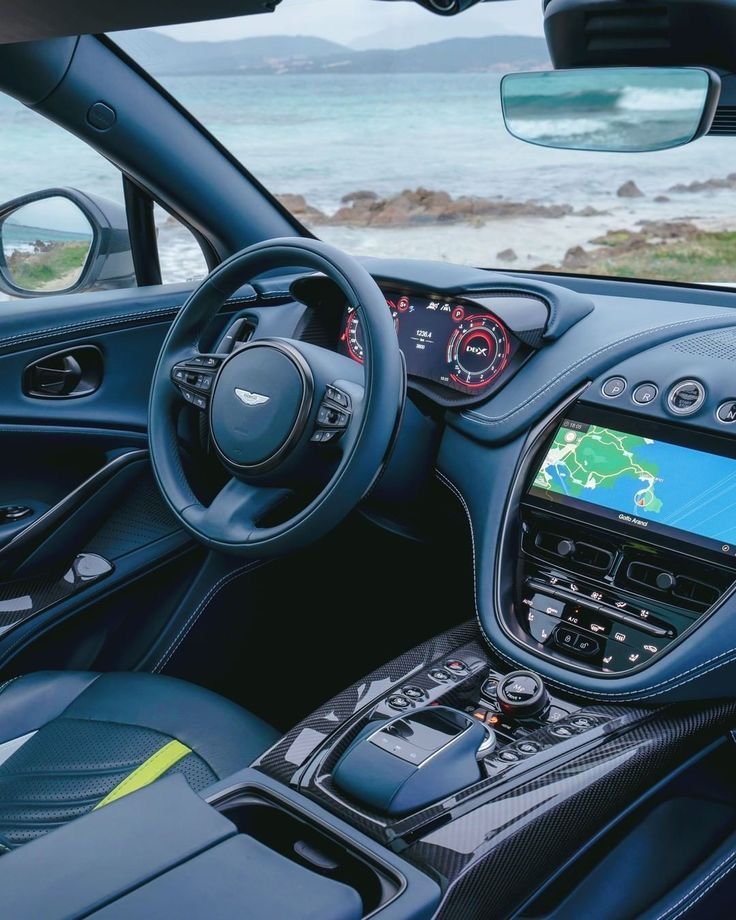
(225, 736)
(27, 703)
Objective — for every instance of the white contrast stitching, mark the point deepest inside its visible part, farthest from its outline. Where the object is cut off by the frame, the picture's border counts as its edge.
(7, 683)
(200, 608)
(481, 419)
(718, 878)
(83, 325)
(697, 671)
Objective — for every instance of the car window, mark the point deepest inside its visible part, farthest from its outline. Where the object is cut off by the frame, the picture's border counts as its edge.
(48, 244)
(180, 255)
(379, 126)
(45, 243)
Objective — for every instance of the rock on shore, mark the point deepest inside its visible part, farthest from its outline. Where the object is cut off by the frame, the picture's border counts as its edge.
(705, 186)
(418, 206)
(630, 190)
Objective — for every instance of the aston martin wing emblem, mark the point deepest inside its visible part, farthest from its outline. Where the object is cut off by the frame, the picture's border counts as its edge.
(250, 399)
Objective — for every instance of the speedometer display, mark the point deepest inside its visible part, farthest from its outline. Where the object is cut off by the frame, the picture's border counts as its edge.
(457, 345)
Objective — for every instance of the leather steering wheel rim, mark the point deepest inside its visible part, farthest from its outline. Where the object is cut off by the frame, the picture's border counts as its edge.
(377, 404)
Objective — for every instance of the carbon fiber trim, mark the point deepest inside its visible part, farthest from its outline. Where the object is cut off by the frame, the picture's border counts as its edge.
(495, 843)
(285, 758)
(499, 854)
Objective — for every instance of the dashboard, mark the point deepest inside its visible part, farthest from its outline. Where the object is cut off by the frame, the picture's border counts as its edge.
(453, 344)
(588, 440)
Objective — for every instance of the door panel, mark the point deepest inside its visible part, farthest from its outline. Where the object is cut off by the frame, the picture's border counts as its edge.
(80, 464)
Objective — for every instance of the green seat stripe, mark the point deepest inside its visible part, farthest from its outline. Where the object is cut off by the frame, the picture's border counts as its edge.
(150, 770)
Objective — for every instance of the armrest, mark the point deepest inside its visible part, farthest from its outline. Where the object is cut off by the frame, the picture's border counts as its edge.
(90, 862)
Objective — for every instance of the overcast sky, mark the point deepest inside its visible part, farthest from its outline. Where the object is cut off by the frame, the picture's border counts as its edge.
(370, 22)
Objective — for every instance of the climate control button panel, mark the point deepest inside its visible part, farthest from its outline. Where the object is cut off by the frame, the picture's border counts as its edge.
(585, 623)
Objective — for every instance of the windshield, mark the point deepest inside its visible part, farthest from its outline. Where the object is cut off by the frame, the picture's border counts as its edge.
(379, 126)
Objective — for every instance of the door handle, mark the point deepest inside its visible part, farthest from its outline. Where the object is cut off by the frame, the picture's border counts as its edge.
(64, 374)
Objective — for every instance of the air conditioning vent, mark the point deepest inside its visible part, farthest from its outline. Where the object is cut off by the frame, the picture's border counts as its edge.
(724, 123)
(631, 28)
(650, 576)
(582, 553)
(674, 581)
(697, 592)
(320, 328)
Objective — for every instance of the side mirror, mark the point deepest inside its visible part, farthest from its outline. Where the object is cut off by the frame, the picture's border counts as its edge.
(611, 109)
(62, 241)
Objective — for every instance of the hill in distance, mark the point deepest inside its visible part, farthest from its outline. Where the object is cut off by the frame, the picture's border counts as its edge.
(289, 54)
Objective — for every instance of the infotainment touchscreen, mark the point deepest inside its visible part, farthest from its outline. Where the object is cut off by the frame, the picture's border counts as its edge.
(643, 481)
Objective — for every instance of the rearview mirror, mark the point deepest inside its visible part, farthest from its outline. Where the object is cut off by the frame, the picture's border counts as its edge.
(613, 109)
(61, 241)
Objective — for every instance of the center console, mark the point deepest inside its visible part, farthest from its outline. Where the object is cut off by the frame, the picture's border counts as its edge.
(626, 540)
(480, 776)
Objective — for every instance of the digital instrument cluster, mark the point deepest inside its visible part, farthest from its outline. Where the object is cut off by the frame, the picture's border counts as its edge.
(453, 344)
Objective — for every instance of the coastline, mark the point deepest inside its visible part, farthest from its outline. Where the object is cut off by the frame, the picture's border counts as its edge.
(683, 235)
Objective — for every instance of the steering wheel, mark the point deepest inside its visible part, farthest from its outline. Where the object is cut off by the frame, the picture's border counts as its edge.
(286, 418)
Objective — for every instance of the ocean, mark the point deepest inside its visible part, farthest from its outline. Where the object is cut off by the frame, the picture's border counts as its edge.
(327, 135)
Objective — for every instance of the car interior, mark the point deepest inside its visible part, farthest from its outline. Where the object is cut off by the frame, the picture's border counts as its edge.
(341, 584)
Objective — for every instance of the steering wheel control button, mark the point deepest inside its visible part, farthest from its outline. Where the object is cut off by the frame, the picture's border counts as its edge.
(440, 675)
(333, 415)
(398, 702)
(338, 397)
(727, 412)
(686, 397)
(194, 383)
(321, 436)
(614, 387)
(645, 393)
(522, 694)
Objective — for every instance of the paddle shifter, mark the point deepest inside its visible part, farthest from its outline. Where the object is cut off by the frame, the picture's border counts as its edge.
(403, 764)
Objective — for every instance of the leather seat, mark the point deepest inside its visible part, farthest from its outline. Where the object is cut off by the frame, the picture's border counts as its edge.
(73, 741)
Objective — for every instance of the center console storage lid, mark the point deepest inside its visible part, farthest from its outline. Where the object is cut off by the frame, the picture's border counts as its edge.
(90, 862)
(239, 878)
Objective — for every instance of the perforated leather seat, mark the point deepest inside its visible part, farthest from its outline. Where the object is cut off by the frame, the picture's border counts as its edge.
(74, 741)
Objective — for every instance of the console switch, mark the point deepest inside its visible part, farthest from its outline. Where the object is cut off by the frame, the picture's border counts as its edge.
(522, 694)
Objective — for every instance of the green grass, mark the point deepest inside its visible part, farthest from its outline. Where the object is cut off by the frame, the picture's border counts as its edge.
(37, 271)
(701, 257)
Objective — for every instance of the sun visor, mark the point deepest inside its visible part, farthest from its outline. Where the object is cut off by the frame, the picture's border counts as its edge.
(31, 20)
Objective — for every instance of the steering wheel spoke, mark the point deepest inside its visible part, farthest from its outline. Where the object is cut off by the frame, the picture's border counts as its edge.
(234, 513)
(194, 378)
